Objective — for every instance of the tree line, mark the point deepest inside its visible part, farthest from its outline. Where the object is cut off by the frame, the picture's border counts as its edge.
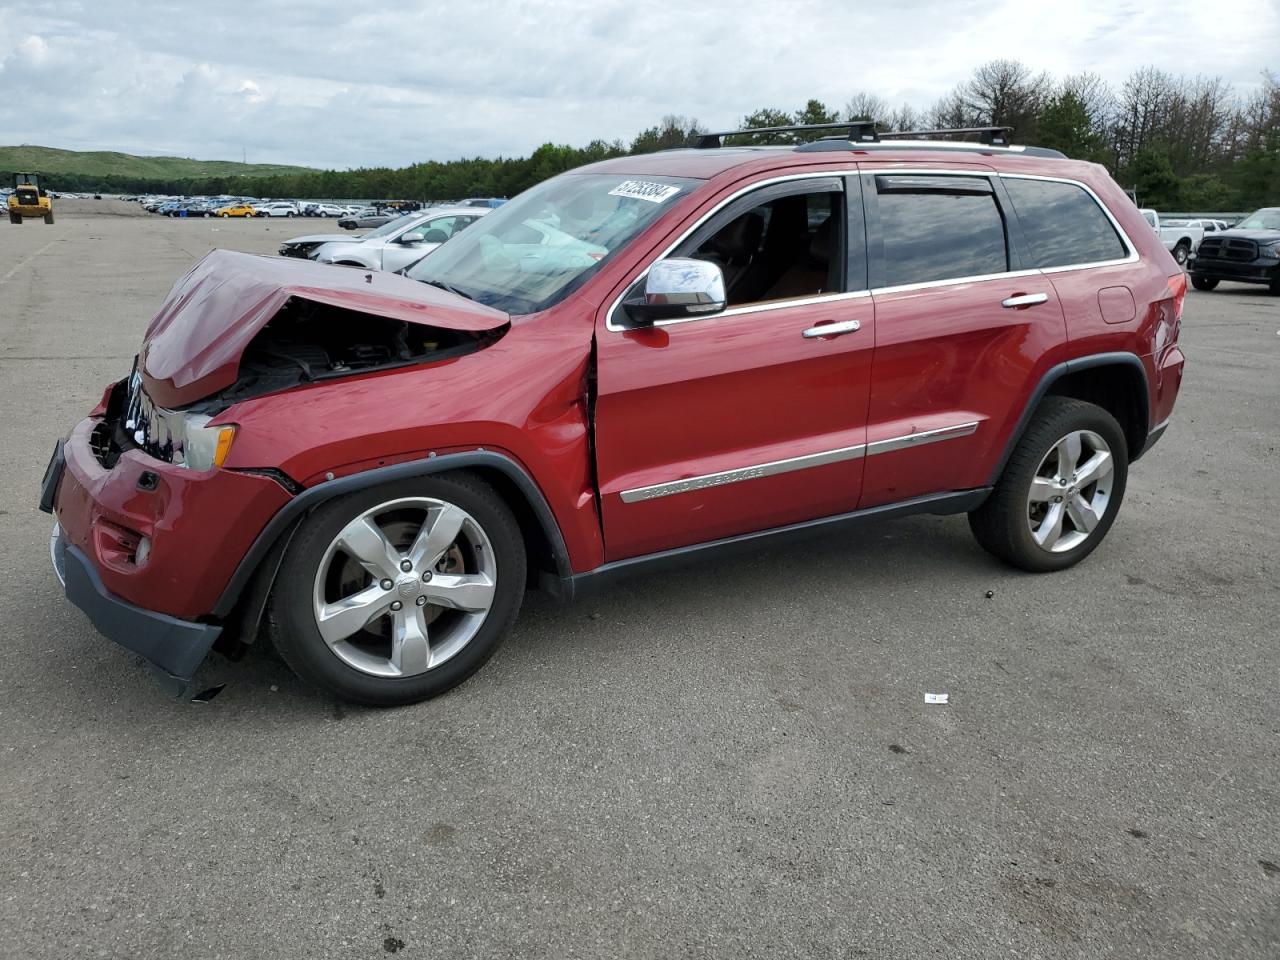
(1178, 142)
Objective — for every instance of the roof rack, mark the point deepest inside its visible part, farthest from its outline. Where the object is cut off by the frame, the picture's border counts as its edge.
(863, 131)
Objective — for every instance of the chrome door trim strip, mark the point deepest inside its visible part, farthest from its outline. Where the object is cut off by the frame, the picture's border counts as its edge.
(769, 469)
(923, 437)
(774, 467)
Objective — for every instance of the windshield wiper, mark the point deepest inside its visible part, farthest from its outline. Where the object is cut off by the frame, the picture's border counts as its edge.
(448, 288)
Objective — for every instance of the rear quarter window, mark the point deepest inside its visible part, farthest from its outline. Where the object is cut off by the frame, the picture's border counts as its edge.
(1063, 224)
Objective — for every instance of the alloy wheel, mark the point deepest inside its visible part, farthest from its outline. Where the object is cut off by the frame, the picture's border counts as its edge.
(404, 586)
(1070, 491)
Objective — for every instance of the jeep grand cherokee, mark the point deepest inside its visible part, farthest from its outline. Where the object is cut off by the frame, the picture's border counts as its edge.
(642, 361)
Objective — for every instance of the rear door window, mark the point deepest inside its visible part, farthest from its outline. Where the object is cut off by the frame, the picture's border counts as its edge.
(939, 228)
(1063, 224)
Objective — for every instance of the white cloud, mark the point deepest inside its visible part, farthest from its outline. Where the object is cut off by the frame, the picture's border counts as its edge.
(411, 81)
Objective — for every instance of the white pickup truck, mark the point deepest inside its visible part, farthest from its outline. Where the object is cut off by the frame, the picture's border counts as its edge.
(1182, 237)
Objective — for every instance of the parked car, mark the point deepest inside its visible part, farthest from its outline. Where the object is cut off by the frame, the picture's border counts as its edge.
(303, 247)
(368, 217)
(400, 242)
(482, 202)
(738, 345)
(1249, 252)
(1180, 237)
(235, 210)
(277, 208)
(325, 210)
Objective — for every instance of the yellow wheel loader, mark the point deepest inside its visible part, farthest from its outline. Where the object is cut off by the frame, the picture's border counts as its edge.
(29, 199)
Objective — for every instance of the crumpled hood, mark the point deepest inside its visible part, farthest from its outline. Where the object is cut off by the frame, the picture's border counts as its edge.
(193, 346)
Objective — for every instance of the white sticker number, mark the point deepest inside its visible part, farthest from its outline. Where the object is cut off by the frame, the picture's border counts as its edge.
(644, 190)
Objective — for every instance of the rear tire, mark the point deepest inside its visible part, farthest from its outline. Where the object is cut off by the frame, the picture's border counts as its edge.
(1275, 287)
(1180, 253)
(48, 217)
(15, 218)
(399, 656)
(1203, 283)
(1039, 517)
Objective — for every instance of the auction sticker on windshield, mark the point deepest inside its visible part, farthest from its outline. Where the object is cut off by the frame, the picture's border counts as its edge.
(644, 190)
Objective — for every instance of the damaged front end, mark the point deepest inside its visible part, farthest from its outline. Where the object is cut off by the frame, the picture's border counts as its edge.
(233, 329)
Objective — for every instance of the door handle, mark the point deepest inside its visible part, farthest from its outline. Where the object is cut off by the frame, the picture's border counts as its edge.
(1024, 300)
(832, 329)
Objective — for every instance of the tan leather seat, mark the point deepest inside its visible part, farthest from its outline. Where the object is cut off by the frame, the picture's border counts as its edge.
(809, 275)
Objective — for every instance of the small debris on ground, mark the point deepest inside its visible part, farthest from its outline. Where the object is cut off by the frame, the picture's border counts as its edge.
(990, 594)
(936, 697)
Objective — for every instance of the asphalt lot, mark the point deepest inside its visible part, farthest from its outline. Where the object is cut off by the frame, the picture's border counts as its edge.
(733, 761)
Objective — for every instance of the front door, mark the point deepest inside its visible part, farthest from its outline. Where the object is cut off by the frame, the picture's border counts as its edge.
(748, 419)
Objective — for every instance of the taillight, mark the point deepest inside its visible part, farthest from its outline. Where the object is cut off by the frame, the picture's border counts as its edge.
(1177, 289)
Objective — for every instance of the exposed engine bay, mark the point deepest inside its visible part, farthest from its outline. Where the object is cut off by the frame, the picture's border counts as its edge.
(306, 342)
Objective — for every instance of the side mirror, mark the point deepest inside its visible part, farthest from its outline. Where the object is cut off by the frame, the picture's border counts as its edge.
(413, 236)
(678, 288)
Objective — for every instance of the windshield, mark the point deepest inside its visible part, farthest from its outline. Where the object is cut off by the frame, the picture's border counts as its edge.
(1268, 218)
(535, 250)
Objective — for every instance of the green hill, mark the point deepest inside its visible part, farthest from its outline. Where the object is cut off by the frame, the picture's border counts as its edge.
(104, 163)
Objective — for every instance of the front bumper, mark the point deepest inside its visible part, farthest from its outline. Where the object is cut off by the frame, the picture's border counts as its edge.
(198, 526)
(172, 648)
(1261, 270)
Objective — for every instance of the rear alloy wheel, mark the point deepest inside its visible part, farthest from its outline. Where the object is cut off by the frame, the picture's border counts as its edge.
(1060, 491)
(399, 593)
(1203, 283)
(1180, 253)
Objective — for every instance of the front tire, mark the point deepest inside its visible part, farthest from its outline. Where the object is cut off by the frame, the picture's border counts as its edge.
(1203, 283)
(1060, 490)
(395, 594)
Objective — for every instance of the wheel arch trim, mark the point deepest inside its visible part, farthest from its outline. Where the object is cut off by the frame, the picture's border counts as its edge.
(280, 527)
(1056, 373)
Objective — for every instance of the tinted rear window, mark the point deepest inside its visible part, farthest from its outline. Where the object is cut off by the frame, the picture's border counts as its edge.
(939, 236)
(1063, 224)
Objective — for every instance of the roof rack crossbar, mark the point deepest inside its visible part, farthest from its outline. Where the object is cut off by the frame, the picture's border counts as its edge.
(863, 131)
(991, 136)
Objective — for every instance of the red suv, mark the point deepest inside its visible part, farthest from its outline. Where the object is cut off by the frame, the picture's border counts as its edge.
(642, 361)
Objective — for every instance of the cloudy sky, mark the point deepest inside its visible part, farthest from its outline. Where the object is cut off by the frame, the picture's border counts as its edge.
(338, 84)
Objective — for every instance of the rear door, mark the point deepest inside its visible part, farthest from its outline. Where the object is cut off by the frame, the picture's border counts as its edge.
(747, 419)
(961, 324)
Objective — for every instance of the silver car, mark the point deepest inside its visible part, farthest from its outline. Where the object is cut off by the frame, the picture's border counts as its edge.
(401, 242)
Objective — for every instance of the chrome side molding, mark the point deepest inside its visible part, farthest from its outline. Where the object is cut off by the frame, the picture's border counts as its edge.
(774, 467)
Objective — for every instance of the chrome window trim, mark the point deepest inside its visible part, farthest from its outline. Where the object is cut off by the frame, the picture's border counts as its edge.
(1115, 224)
(955, 281)
(1132, 257)
(733, 311)
(774, 467)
